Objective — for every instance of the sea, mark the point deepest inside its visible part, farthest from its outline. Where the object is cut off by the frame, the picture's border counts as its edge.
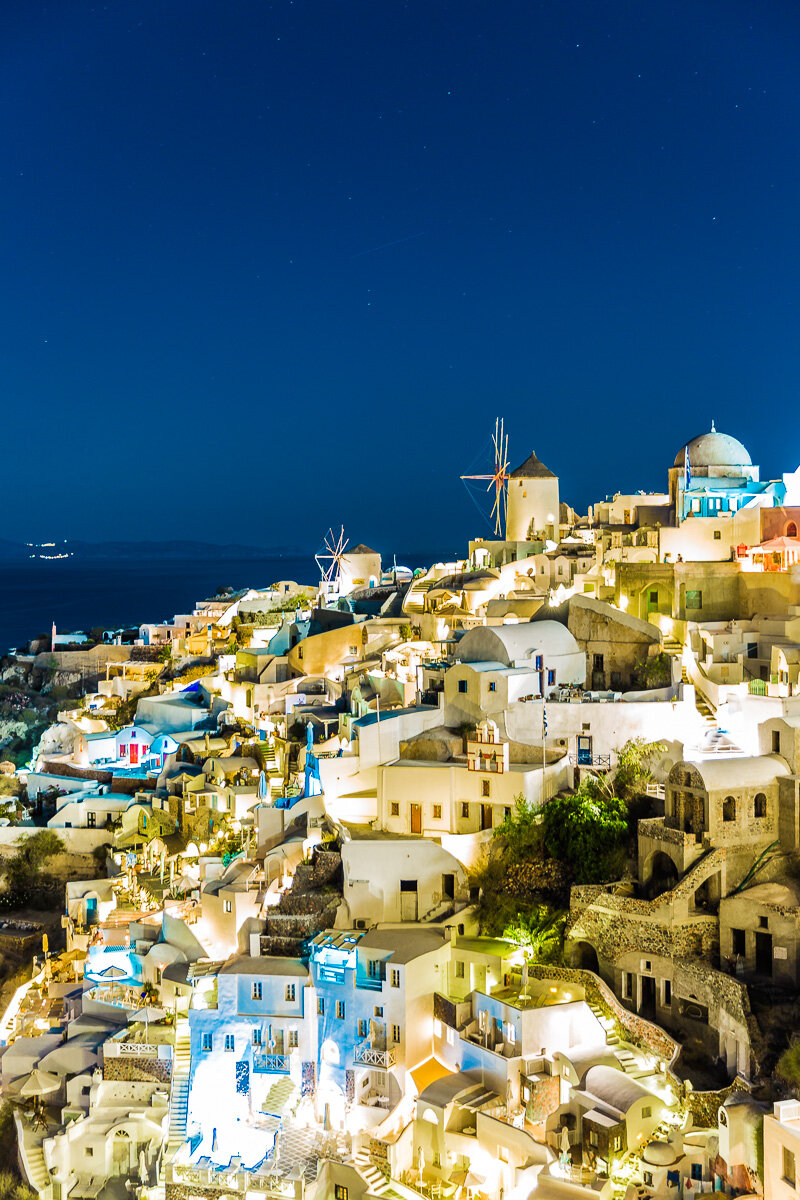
(79, 595)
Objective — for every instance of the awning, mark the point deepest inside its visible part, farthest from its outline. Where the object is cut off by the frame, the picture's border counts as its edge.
(428, 1072)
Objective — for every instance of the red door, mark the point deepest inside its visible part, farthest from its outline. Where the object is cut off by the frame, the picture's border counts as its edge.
(133, 757)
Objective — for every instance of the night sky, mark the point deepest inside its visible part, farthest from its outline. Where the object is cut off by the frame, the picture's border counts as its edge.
(268, 267)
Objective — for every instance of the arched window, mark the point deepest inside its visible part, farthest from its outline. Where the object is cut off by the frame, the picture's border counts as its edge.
(760, 805)
(791, 529)
(729, 809)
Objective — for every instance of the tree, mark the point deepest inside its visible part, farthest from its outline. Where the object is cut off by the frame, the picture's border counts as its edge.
(588, 832)
(521, 831)
(632, 773)
(538, 933)
(789, 1065)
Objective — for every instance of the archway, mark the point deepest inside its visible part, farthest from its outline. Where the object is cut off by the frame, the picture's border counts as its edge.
(660, 875)
(791, 530)
(584, 956)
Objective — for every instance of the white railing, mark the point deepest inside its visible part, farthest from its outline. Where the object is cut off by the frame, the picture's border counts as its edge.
(369, 1056)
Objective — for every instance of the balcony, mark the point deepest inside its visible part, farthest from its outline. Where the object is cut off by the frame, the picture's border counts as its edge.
(369, 1056)
(271, 1064)
(373, 983)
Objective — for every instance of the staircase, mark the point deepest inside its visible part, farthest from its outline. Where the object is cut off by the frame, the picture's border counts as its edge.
(705, 709)
(671, 646)
(377, 1183)
(36, 1170)
(607, 1022)
(179, 1095)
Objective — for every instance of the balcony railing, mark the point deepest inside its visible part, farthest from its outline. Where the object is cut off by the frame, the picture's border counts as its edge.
(369, 1056)
(373, 983)
(584, 759)
(277, 1064)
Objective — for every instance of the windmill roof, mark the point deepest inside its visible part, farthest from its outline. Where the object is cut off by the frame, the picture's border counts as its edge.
(361, 548)
(532, 468)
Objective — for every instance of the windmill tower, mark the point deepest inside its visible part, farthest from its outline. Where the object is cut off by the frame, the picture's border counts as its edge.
(497, 482)
(329, 561)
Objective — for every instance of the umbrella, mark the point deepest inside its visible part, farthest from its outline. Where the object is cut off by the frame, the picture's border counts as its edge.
(421, 1160)
(113, 972)
(263, 790)
(564, 1140)
(148, 1012)
(40, 1083)
(143, 1172)
(69, 1059)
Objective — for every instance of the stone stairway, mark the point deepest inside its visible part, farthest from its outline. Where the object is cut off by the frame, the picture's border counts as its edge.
(179, 1096)
(608, 1023)
(377, 1183)
(38, 1175)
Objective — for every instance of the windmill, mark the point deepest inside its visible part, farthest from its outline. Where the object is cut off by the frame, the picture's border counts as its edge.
(329, 560)
(498, 480)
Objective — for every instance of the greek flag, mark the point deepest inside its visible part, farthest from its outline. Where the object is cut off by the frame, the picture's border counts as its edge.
(544, 720)
(687, 470)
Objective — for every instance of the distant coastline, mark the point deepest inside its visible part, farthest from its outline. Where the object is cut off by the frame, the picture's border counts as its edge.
(118, 589)
(118, 551)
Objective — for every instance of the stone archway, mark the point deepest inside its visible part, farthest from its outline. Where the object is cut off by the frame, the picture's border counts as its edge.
(584, 956)
(660, 874)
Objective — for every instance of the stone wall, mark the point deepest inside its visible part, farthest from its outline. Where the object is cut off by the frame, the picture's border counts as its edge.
(137, 1070)
(636, 1029)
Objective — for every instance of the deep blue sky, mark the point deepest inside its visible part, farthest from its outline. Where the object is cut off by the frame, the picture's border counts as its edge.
(272, 266)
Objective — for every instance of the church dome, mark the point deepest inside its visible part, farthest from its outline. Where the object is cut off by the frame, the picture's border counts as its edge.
(714, 450)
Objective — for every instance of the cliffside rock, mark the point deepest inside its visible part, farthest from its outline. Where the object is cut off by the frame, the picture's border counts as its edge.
(56, 740)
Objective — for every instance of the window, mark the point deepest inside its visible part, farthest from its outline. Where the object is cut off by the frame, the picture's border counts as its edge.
(353, 649)
(258, 988)
(597, 662)
(89, 1151)
(667, 993)
(492, 686)
(378, 1010)
(257, 1036)
(91, 820)
(592, 1137)
(776, 742)
(227, 906)
(363, 1027)
(729, 809)
(763, 922)
(206, 1042)
(647, 1111)
(340, 1009)
(395, 809)
(320, 1006)
(437, 812)
(551, 678)
(616, 1142)
(395, 1033)
(293, 1039)
(760, 805)
(395, 977)
(464, 808)
(459, 968)
(290, 991)
(717, 534)
(229, 1044)
(648, 1178)
(340, 1192)
(486, 787)
(628, 986)
(788, 1166)
(462, 685)
(539, 662)
(694, 600)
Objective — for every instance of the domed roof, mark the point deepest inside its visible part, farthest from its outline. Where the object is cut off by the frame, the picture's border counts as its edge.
(714, 450)
(660, 1154)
